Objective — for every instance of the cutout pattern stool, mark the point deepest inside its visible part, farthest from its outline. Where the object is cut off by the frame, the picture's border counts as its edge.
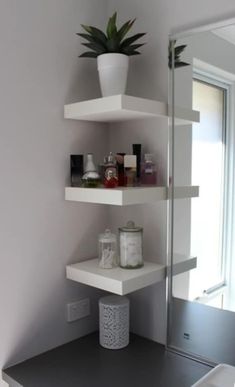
(114, 321)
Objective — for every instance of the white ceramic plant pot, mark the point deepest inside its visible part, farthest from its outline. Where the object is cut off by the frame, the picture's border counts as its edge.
(113, 70)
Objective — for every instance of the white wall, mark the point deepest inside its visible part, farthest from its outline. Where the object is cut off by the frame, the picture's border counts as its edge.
(39, 232)
(149, 78)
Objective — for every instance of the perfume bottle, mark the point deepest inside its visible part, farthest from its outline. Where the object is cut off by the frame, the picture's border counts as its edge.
(130, 170)
(137, 151)
(120, 169)
(110, 174)
(91, 178)
(149, 170)
(102, 168)
(76, 170)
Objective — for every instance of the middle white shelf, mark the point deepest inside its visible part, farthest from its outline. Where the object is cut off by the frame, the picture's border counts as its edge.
(124, 196)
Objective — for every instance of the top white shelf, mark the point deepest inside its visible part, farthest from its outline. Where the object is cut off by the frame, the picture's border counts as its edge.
(124, 107)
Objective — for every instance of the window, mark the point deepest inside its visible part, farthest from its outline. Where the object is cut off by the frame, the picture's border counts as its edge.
(207, 282)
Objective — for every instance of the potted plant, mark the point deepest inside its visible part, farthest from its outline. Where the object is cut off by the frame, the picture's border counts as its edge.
(112, 50)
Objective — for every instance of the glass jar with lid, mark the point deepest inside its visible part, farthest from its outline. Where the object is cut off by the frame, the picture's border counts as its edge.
(131, 246)
(108, 257)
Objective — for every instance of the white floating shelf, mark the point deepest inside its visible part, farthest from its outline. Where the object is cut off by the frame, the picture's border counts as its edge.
(125, 107)
(181, 264)
(127, 195)
(122, 281)
(118, 280)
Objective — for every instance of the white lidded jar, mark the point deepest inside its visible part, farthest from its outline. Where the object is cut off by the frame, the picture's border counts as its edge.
(131, 246)
(108, 257)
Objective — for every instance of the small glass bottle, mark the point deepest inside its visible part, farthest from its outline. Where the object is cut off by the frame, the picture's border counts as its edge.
(91, 178)
(110, 175)
(131, 246)
(108, 257)
(149, 170)
(102, 168)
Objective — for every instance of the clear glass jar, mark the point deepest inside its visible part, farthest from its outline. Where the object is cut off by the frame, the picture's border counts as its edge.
(108, 257)
(131, 246)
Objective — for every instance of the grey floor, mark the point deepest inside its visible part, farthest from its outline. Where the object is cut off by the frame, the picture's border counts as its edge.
(83, 363)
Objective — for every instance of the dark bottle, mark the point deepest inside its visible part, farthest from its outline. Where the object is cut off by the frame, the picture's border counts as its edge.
(120, 169)
(76, 170)
(137, 152)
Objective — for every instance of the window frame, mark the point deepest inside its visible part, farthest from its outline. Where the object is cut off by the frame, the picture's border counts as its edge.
(227, 219)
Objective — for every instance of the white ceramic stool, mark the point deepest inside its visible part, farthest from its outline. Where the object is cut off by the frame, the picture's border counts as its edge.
(114, 321)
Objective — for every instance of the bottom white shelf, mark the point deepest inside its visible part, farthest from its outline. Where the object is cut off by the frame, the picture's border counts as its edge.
(117, 280)
(123, 281)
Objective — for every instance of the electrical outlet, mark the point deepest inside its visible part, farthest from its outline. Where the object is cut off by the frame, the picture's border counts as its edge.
(78, 309)
(187, 336)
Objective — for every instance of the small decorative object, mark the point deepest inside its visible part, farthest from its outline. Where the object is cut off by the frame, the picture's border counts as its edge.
(91, 178)
(131, 242)
(108, 257)
(120, 168)
(177, 53)
(111, 180)
(112, 50)
(137, 152)
(149, 171)
(110, 175)
(102, 168)
(130, 170)
(76, 169)
(114, 312)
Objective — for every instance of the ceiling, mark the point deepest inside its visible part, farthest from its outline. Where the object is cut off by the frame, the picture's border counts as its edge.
(227, 33)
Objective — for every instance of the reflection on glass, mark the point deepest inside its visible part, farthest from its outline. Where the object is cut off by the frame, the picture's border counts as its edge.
(203, 299)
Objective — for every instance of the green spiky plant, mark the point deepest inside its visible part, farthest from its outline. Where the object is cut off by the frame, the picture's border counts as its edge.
(177, 55)
(113, 41)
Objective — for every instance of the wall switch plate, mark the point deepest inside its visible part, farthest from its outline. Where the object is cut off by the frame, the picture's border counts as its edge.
(78, 309)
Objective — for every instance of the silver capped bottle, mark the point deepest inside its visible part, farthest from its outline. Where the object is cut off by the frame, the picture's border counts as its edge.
(91, 178)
